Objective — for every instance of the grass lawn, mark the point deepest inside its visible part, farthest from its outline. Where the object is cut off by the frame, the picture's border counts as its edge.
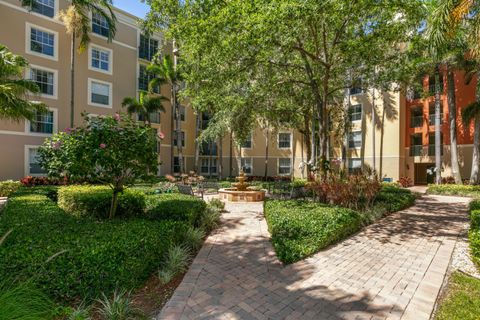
(462, 301)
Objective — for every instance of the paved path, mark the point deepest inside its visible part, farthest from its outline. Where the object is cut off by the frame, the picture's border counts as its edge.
(393, 269)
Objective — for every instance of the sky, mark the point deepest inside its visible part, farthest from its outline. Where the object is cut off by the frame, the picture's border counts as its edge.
(134, 7)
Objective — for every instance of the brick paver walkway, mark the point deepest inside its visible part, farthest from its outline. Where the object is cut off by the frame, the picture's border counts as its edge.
(393, 269)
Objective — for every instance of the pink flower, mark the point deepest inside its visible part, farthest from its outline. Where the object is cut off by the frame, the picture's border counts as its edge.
(116, 117)
(68, 130)
(161, 135)
(103, 145)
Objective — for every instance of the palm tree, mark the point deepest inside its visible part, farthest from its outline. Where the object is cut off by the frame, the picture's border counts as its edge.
(165, 72)
(472, 112)
(14, 90)
(145, 105)
(78, 24)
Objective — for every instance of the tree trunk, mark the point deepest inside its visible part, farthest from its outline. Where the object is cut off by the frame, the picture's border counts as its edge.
(346, 105)
(178, 131)
(474, 176)
(220, 158)
(231, 155)
(452, 112)
(374, 114)
(173, 132)
(72, 81)
(438, 132)
(114, 203)
(267, 141)
(197, 147)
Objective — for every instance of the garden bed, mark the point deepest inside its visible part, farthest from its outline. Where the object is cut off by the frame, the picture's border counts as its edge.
(454, 190)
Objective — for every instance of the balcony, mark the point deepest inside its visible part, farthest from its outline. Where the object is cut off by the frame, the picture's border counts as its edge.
(431, 119)
(416, 151)
(416, 122)
(431, 150)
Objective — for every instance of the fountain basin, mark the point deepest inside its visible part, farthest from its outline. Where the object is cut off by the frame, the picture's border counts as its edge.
(234, 195)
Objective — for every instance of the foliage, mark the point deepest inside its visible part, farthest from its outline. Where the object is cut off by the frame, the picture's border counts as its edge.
(119, 307)
(216, 203)
(210, 219)
(455, 190)
(80, 312)
(405, 182)
(299, 228)
(95, 201)
(14, 88)
(8, 187)
(193, 238)
(176, 262)
(474, 234)
(79, 258)
(357, 191)
(145, 105)
(462, 300)
(30, 181)
(113, 150)
(23, 302)
(393, 198)
(177, 207)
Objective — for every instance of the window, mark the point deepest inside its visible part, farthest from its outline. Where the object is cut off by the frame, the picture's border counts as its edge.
(355, 139)
(33, 167)
(45, 80)
(431, 85)
(416, 145)
(431, 144)
(284, 166)
(208, 148)
(284, 140)
(354, 164)
(176, 165)
(431, 114)
(248, 143)
(42, 42)
(355, 112)
(100, 24)
(148, 48)
(208, 166)
(44, 7)
(100, 59)
(416, 119)
(182, 134)
(144, 78)
(154, 117)
(100, 93)
(42, 123)
(246, 164)
(181, 111)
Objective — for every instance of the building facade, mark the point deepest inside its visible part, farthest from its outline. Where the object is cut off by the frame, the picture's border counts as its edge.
(389, 132)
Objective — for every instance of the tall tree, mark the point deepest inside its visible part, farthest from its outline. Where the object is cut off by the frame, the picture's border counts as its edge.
(15, 91)
(145, 105)
(469, 114)
(166, 72)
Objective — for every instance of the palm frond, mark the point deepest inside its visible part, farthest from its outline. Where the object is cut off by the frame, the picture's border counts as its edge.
(470, 112)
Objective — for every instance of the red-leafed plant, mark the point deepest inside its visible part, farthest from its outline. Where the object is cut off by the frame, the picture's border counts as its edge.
(405, 182)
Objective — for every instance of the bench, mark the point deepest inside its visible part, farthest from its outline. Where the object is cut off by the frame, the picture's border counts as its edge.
(188, 190)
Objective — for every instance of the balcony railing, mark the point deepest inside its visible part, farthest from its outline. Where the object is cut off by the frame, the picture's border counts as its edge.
(416, 122)
(431, 119)
(416, 151)
(431, 150)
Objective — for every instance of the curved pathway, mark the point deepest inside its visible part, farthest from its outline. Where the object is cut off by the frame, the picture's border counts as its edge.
(392, 269)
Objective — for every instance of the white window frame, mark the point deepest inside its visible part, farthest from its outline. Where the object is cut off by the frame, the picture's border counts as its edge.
(110, 59)
(291, 140)
(184, 145)
(361, 142)
(40, 134)
(251, 164)
(91, 26)
(251, 143)
(55, 79)
(110, 94)
(351, 160)
(28, 33)
(350, 113)
(27, 161)
(278, 167)
(55, 11)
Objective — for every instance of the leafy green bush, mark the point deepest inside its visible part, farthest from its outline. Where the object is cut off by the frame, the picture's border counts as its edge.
(95, 201)
(474, 234)
(393, 198)
(216, 203)
(80, 257)
(176, 261)
(8, 187)
(300, 228)
(120, 307)
(455, 190)
(179, 207)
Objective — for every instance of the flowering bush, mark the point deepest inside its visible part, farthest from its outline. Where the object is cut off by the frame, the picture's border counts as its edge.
(354, 191)
(112, 150)
(448, 180)
(30, 181)
(405, 182)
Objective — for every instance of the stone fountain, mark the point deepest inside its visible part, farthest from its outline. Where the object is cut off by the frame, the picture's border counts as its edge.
(241, 192)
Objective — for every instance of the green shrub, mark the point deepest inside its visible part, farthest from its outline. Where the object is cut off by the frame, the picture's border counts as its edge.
(474, 234)
(177, 207)
(95, 201)
(454, 190)
(120, 307)
(301, 228)
(193, 238)
(392, 198)
(210, 219)
(176, 261)
(80, 257)
(9, 187)
(216, 203)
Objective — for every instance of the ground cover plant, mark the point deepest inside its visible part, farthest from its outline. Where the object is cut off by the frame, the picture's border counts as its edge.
(455, 190)
(301, 228)
(8, 187)
(462, 300)
(474, 234)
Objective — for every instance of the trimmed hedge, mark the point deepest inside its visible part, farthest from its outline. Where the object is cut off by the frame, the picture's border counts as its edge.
(394, 198)
(8, 187)
(454, 190)
(177, 207)
(74, 258)
(474, 234)
(301, 228)
(95, 201)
